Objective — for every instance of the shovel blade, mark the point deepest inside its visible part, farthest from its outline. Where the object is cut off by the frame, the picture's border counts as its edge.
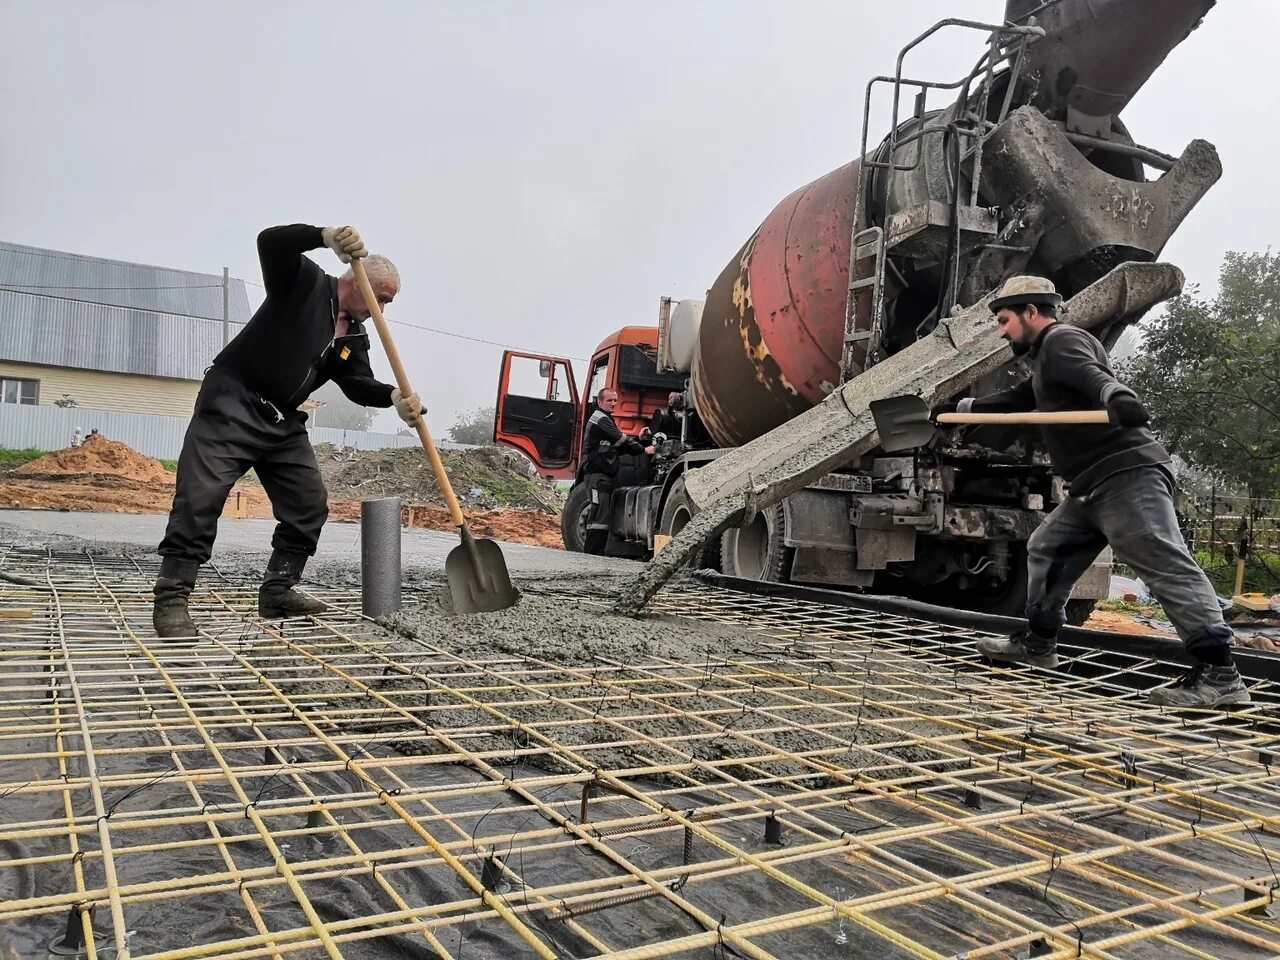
(902, 422)
(478, 578)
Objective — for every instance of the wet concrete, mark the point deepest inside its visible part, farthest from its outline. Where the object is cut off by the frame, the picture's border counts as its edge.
(138, 535)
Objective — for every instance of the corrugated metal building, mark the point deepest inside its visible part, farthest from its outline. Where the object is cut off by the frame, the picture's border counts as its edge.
(108, 334)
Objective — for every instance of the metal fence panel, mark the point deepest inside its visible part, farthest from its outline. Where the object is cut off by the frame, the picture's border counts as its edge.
(25, 426)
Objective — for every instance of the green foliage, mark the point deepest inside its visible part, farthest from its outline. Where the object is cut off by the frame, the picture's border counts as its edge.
(1261, 572)
(339, 412)
(170, 465)
(1209, 372)
(1132, 607)
(474, 427)
(12, 459)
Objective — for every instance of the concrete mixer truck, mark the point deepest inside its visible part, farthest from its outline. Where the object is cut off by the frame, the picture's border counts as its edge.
(1027, 168)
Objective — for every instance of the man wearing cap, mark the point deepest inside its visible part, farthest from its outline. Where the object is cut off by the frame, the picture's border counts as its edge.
(1120, 492)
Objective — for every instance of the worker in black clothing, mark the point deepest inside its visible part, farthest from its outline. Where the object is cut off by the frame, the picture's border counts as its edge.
(1120, 491)
(307, 332)
(602, 444)
(669, 420)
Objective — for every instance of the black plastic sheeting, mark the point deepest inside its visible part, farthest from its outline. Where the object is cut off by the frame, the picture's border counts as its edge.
(1254, 664)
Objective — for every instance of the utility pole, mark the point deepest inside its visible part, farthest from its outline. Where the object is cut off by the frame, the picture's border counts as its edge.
(226, 306)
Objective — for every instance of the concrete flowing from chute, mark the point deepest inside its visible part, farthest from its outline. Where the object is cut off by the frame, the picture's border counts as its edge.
(960, 351)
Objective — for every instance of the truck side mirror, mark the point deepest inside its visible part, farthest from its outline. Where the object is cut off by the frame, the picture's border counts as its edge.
(544, 368)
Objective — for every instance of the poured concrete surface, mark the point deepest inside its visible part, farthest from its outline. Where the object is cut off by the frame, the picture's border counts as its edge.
(422, 550)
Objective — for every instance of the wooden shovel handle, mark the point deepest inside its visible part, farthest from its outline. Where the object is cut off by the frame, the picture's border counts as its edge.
(1066, 416)
(402, 381)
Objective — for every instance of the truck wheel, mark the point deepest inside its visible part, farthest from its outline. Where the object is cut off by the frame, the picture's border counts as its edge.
(676, 514)
(573, 518)
(757, 551)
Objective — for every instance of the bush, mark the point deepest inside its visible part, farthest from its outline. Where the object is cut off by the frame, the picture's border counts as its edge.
(12, 459)
(1261, 572)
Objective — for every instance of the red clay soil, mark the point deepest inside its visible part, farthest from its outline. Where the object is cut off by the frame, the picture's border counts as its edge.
(1113, 621)
(514, 526)
(111, 477)
(97, 457)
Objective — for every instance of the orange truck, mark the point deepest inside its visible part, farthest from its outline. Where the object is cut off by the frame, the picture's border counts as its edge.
(1026, 167)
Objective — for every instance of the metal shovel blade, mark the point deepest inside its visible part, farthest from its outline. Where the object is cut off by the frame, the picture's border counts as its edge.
(902, 422)
(478, 577)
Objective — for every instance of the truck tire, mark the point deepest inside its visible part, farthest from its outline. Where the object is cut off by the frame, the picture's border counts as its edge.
(676, 514)
(757, 551)
(573, 518)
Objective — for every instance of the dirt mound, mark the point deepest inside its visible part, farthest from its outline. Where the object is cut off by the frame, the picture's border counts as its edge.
(108, 476)
(513, 526)
(98, 457)
(483, 478)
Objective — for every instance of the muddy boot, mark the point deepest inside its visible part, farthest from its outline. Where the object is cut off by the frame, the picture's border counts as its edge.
(173, 586)
(1025, 646)
(1206, 686)
(276, 596)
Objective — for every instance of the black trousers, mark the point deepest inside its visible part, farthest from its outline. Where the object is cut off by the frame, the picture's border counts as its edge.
(597, 538)
(232, 431)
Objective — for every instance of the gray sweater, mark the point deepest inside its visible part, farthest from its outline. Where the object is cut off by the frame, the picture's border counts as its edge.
(1071, 371)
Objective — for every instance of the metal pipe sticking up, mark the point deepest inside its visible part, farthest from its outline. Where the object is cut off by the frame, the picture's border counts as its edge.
(379, 556)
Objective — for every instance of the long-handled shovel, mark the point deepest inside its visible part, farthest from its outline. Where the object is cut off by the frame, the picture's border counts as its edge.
(904, 422)
(477, 572)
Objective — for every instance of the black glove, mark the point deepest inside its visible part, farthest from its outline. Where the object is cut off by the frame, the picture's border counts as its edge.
(1126, 410)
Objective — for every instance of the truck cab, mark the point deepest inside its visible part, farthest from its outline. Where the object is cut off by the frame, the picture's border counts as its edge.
(540, 412)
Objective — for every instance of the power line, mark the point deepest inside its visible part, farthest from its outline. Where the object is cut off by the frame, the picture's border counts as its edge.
(463, 336)
(23, 287)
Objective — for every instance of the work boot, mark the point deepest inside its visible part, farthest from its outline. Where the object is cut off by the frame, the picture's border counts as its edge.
(1025, 646)
(174, 584)
(1205, 686)
(277, 596)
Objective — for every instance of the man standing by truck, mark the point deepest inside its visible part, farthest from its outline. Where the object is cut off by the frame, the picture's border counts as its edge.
(1120, 491)
(306, 332)
(603, 443)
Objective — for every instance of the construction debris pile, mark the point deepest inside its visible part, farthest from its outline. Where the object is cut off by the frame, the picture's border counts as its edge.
(484, 477)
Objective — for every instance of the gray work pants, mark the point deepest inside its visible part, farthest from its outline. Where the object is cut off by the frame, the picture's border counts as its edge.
(1133, 511)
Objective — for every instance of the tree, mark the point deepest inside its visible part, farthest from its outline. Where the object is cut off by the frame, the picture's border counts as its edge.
(1209, 372)
(338, 411)
(474, 427)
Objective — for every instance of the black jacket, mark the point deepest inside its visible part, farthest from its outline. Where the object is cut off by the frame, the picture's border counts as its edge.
(287, 349)
(1071, 371)
(602, 444)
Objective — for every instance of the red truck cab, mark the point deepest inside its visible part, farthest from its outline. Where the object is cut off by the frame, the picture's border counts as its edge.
(540, 412)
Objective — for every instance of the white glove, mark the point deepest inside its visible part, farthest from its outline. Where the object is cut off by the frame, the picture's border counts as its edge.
(409, 408)
(345, 242)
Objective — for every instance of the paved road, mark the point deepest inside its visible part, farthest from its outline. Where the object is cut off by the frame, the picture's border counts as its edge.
(340, 542)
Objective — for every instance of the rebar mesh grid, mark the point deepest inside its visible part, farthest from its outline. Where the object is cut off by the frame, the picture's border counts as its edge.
(838, 782)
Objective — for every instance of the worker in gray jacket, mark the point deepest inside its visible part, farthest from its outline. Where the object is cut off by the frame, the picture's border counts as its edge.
(1120, 492)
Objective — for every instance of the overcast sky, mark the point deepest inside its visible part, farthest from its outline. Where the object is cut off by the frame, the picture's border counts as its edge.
(541, 172)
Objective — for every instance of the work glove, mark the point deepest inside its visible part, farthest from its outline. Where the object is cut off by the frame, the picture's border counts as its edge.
(1126, 410)
(345, 242)
(951, 406)
(409, 408)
